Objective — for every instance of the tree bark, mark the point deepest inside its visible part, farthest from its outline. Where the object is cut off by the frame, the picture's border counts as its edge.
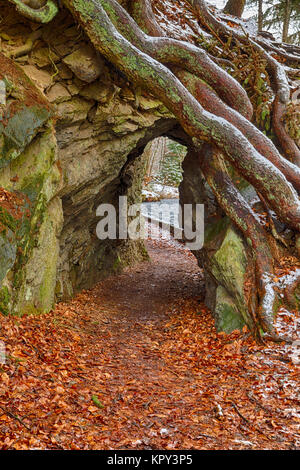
(260, 15)
(235, 7)
(286, 20)
(155, 152)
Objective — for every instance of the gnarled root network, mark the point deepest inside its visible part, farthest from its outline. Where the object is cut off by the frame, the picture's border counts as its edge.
(214, 112)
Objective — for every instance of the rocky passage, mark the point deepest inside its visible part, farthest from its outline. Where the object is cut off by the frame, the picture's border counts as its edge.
(88, 153)
(77, 117)
(136, 363)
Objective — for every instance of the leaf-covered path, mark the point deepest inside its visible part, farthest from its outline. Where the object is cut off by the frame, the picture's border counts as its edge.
(136, 363)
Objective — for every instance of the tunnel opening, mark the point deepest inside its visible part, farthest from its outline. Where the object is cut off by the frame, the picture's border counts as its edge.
(87, 151)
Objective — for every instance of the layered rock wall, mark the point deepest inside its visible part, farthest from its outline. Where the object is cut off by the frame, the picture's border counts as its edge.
(72, 135)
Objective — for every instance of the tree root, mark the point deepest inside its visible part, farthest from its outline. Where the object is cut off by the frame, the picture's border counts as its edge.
(201, 125)
(287, 57)
(28, 46)
(276, 70)
(287, 143)
(239, 211)
(209, 21)
(241, 214)
(147, 21)
(41, 15)
(289, 284)
(290, 287)
(271, 223)
(212, 103)
(180, 53)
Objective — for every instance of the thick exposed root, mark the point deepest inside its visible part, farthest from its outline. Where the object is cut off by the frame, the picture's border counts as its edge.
(173, 52)
(291, 283)
(45, 14)
(287, 284)
(271, 223)
(266, 311)
(212, 103)
(147, 21)
(199, 124)
(275, 69)
(287, 143)
(27, 47)
(239, 211)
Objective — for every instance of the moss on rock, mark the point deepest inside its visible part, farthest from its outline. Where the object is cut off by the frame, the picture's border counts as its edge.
(228, 266)
(5, 299)
(227, 315)
(8, 251)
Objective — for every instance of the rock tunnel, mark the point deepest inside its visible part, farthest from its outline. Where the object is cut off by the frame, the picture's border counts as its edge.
(73, 131)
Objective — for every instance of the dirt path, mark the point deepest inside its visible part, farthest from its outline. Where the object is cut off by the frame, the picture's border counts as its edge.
(141, 295)
(136, 363)
(133, 308)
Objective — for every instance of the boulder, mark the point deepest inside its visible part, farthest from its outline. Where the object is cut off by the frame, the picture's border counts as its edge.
(41, 78)
(86, 64)
(58, 94)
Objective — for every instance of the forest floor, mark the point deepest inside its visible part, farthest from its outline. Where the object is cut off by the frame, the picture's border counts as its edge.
(136, 363)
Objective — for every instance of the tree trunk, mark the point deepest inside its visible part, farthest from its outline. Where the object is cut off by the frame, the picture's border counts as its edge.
(235, 7)
(286, 20)
(154, 154)
(260, 15)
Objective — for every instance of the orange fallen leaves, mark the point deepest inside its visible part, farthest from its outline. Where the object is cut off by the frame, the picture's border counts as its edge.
(165, 382)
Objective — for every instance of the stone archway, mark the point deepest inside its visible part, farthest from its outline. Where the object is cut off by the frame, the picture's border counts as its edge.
(73, 131)
(76, 144)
